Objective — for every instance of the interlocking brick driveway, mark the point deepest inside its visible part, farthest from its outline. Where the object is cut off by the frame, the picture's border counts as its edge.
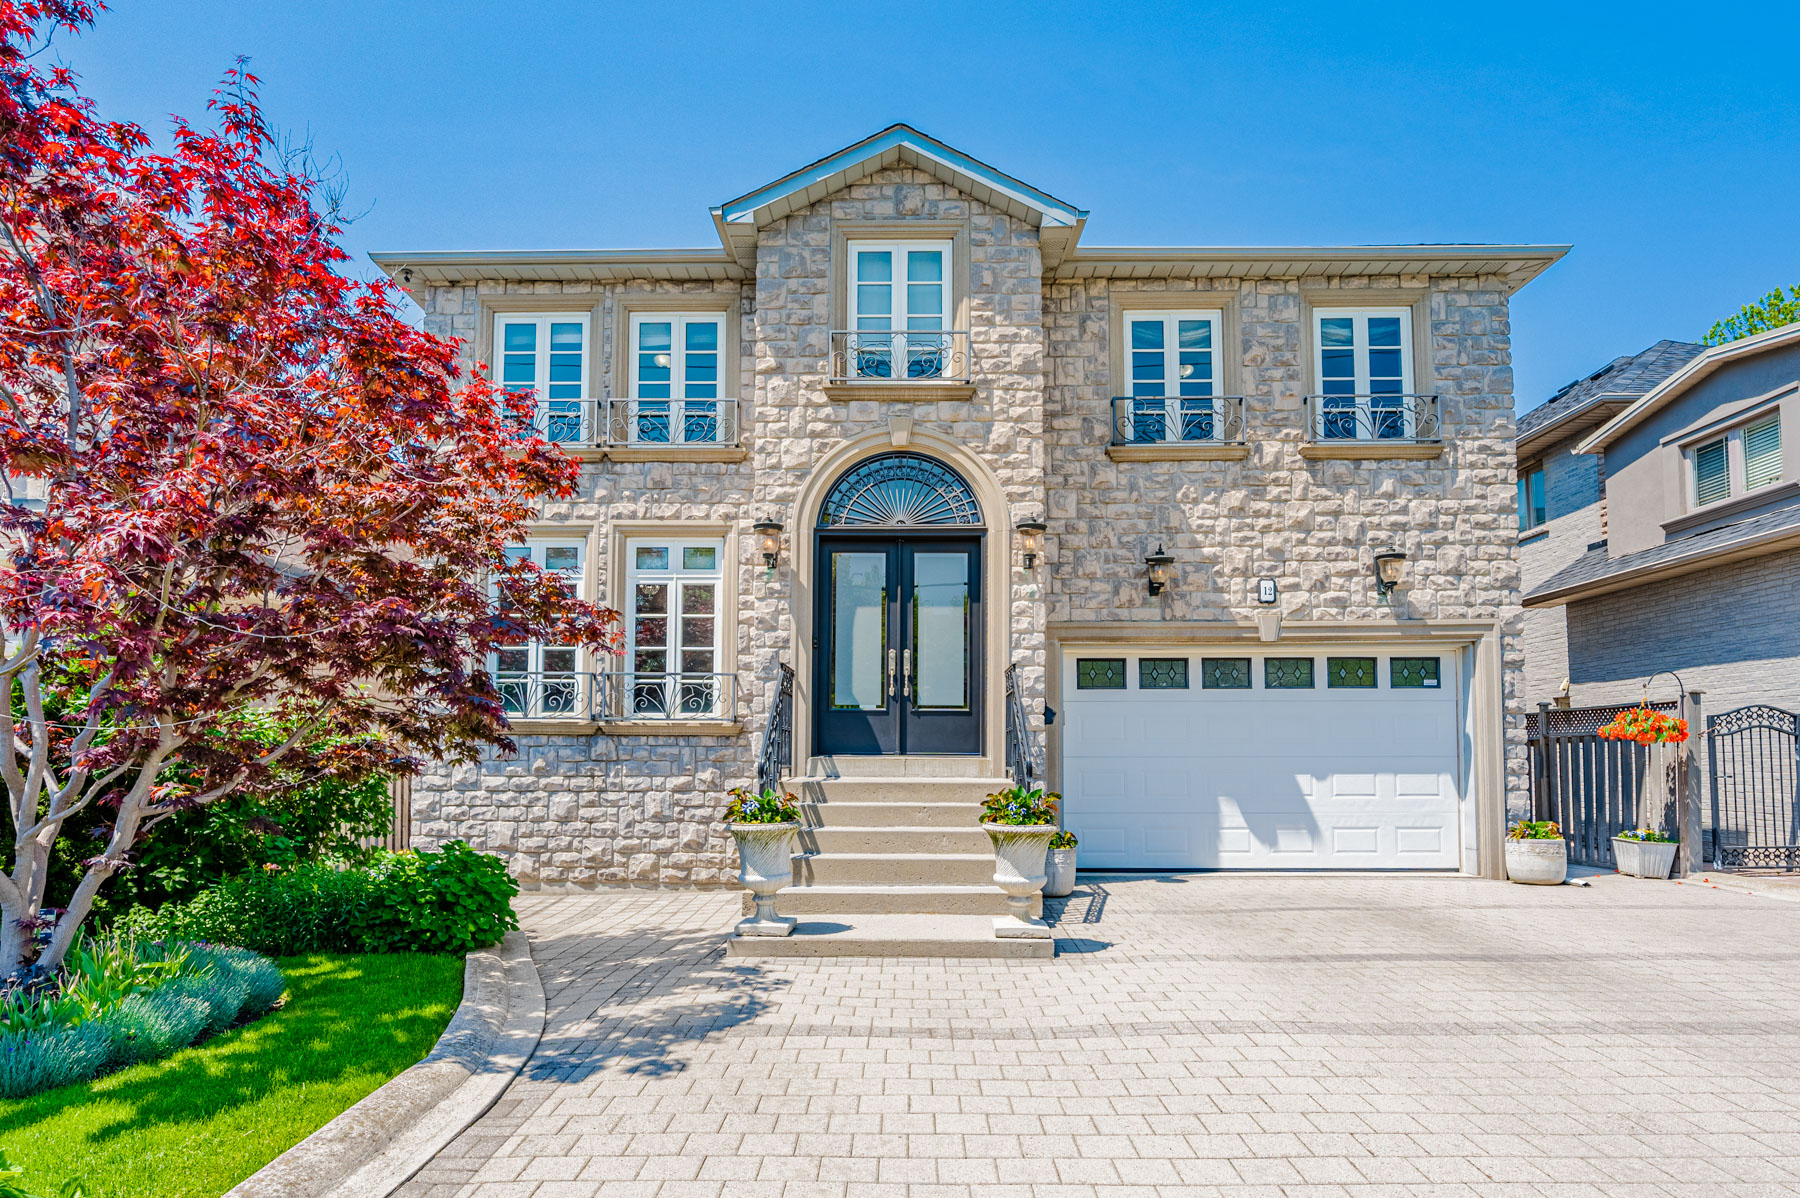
(1229, 1035)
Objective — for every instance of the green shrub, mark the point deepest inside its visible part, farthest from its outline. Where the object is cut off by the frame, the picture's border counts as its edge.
(42, 1060)
(452, 899)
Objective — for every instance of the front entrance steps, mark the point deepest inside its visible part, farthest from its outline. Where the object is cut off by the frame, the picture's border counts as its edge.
(892, 862)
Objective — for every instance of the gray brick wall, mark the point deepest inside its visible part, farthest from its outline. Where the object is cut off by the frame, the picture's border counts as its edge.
(1572, 502)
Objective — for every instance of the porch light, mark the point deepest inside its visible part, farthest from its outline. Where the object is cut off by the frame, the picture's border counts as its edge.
(1029, 533)
(1159, 565)
(1389, 565)
(768, 538)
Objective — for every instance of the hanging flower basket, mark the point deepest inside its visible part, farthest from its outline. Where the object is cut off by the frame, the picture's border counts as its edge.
(1646, 727)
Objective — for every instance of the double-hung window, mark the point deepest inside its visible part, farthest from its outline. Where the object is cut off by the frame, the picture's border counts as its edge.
(1737, 461)
(536, 680)
(548, 355)
(899, 310)
(674, 588)
(1364, 368)
(676, 373)
(1173, 367)
(1532, 513)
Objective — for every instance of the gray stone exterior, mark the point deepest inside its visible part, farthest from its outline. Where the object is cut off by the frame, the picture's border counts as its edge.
(588, 808)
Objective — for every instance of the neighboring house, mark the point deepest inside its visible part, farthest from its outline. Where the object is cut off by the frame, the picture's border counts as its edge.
(1559, 493)
(980, 440)
(1695, 560)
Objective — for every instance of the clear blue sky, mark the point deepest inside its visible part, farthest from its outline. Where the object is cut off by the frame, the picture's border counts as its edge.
(1662, 141)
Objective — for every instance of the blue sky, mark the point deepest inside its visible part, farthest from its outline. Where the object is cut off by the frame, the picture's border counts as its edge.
(1662, 142)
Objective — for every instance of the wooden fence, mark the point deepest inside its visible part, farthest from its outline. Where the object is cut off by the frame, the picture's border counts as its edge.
(399, 834)
(1596, 788)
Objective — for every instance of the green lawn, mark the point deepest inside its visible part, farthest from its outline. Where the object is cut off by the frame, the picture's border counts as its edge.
(195, 1124)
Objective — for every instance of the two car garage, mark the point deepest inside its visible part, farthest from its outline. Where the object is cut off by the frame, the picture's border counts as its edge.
(1347, 757)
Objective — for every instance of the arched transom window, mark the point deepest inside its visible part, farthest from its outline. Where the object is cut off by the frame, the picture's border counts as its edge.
(899, 489)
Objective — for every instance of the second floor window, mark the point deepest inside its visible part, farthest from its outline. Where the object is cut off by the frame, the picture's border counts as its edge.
(536, 679)
(546, 355)
(899, 308)
(1736, 462)
(676, 372)
(1532, 513)
(1364, 366)
(1174, 366)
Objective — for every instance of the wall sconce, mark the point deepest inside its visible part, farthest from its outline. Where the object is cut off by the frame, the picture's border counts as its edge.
(1389, 565)
(1159, 566)
(768, 538)
(1029, 533)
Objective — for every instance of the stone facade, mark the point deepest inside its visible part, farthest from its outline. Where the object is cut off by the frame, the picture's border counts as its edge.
(585, 807)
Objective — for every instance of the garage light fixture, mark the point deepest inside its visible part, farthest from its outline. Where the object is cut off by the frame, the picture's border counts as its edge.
(768, 535)
(1389, 565)
(1029, 533)
(1160, 566)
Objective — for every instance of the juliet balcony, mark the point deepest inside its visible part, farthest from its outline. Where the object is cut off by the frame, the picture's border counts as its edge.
(1177, 427)
(642, 429)
(620, 701)
(917, 364)
(1372, 426)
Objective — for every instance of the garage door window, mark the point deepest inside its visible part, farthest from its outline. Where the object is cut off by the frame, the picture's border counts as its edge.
(1288, 673)
(1224, 673)
(1352, 672)
(1100, 673)
(1412, 673)
(1162, 674)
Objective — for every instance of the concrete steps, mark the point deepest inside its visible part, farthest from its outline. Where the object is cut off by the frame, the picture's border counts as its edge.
(964, 936)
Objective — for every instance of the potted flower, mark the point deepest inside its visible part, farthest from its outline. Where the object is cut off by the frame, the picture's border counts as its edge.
(1536, 853)
(1646, 852)
(763, 826)
(1059, 866)
(1020, 822)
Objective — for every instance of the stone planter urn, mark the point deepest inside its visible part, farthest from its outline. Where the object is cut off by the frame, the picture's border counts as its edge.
(1644, 858)
(1059, 873)
(765, 865)
(1019, 854)
(1538, 862)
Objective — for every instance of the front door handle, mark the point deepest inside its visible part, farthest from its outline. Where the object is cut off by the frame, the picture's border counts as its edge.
(891, 678)
(906, 673)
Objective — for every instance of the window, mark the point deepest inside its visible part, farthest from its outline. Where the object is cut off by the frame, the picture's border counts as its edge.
(548, 355)
(1531, 498)
(1738, 461)
(899, 309)
(1287, 673)
(1354, 672)
(1365, 372)
(1173, 374)
(1100, 673)
(1224, 673)
(675, 378)
(535, 679)
(1413, 673)
(672, 629)
(1162, 674)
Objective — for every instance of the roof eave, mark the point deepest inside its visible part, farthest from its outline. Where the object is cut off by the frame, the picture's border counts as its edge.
(1691, 372)
(448, 267)
(1517, 264)
(1758, 546)
(1571, 423)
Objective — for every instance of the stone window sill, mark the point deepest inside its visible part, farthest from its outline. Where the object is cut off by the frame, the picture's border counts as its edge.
(553, 728)
(1176, 451)
(671, 728)
(657, 453)
(1368, 451)
(1531, 535)
(1732, 506)
(923, 392)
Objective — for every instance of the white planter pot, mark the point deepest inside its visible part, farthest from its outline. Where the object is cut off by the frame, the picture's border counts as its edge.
(1019, 871)
(1644, 858)
(765, 865)
(1059, 873)
(1538, 862)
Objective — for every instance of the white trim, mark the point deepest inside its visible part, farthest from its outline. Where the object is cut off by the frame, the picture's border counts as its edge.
(541, 322)
(899, 314)
(677, 577)
(1737, 475)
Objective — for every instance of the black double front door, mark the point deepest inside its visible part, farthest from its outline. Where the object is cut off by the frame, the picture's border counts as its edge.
(898, 656)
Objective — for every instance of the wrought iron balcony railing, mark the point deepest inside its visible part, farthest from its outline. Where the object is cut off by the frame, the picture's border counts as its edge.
(1402, 419)
(607, 423)
(1178, 419)
(915, 356)
(581, 695)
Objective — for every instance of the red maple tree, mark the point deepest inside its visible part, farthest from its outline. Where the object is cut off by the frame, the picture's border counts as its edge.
(237, 481)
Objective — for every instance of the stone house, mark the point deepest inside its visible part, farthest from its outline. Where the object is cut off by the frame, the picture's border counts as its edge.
(1666, 529)
(1224, 538)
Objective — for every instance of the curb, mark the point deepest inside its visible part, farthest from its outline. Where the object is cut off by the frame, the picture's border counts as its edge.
(1786, 893)
(372, 1149)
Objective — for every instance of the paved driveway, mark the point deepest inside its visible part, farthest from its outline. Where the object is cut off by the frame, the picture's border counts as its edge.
(1299, 1035)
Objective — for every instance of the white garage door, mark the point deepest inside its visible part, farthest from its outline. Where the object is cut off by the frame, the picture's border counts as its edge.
(1295, 759)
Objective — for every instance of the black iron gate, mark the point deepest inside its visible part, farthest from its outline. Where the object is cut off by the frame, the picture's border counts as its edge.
(1755, 810)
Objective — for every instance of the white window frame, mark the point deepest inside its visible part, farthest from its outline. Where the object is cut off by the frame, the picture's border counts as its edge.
(560, 693)
(899, 315)
(563, 419)
(672, 702)
(1736, 474)
(1365, 425)
(680, 418)
(1192, 414)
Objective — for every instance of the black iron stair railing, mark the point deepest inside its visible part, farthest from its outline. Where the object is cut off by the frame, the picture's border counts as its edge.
(778, 739)
(1019, 757)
